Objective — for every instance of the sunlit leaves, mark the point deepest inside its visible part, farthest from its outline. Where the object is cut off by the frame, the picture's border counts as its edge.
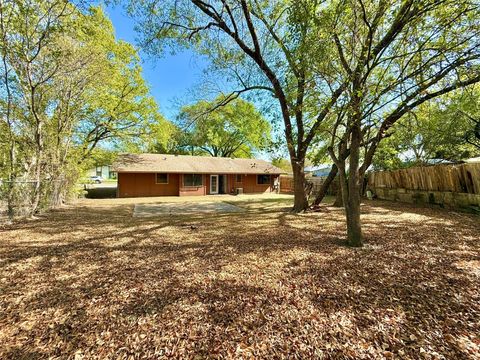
(235, 129)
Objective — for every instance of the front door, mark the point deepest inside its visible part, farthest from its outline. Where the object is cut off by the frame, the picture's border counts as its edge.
(213, 184)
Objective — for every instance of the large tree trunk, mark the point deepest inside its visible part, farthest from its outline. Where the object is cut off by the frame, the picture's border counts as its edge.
(38, 169)
(354, 226)
(11, 182)
(36, 188)
(57, 192)
(330, 178)
(12, 176)
(351, 191)
(339, 198)
(326, 185)
(11, 139)
(59, 185)
(300, 198)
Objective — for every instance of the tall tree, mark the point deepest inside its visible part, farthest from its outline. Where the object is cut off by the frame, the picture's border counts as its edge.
(282, 163)
(394, 57)
(388, 58)
(236, 129)
(118, 104)
(7, 108)
(427, 135)
(260, 47)
(466, 105)
(27, 45)
(66, 78)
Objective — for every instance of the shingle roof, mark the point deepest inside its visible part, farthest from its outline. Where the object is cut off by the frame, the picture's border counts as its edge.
(192, 164)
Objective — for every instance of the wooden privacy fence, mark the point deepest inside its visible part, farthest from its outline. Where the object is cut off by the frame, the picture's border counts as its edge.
(287, 187)
(461, 178)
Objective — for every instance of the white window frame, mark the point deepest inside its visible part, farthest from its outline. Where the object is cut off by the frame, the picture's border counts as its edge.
(218, 184)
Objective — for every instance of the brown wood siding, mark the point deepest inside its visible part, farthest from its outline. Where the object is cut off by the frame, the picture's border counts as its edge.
(143, 184)
(250, 186)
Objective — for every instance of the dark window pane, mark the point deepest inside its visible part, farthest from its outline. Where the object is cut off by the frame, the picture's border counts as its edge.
(239, 179)
(192, 180)
(263, 179)
(162, 178)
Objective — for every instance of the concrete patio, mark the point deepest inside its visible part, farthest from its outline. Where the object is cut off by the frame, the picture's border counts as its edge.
(184, 208)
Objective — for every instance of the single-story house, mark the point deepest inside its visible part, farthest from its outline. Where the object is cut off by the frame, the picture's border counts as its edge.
(182, 175)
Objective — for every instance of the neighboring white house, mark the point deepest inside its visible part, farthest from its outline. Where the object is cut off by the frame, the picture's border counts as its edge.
(105, 171)
(473, 160)
(318, 171)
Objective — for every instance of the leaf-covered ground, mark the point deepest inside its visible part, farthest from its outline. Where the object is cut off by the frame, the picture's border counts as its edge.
(90, 281)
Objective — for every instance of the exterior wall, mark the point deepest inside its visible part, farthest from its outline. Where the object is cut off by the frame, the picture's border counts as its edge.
(143, 184)
(250, 186)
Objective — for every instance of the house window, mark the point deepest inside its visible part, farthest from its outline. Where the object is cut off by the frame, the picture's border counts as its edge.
(263, 179)
(98, 171)
(192, 180)
(238, 178)
(161, 178)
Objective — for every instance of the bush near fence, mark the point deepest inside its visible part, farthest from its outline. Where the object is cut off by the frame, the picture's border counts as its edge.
(455, 186)
(287, 187)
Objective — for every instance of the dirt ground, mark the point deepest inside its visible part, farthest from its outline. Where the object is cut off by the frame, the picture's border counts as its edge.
(91, 281)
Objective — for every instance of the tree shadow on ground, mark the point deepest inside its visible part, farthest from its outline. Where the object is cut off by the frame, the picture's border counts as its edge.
(98, 281)
(101, 192)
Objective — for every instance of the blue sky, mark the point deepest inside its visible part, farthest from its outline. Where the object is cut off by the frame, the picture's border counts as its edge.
(169, 77)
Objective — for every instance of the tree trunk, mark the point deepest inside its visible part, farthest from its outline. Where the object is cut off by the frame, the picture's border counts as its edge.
(57, 192)
(12, 176)
(339, 198)
(11, 183)
(300, 198)
(11, 149)
(326, 185)
(38, 169)
(354, 226)
(352, 187)
(36, 188)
